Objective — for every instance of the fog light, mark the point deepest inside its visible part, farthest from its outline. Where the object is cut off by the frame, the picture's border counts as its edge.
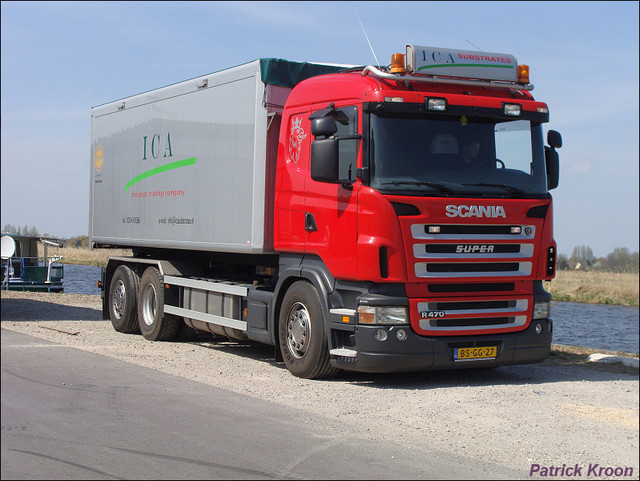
(401, 335)
(381, 335)
(538, 328)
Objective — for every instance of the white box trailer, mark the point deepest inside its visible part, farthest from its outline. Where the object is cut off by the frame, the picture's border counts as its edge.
(191, 165)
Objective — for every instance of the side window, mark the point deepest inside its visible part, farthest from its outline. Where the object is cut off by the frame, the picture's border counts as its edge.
(513, 144)
(347, 123)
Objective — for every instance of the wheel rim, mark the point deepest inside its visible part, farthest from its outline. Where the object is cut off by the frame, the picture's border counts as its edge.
(118, 300)
(149, 296)
(298, 330)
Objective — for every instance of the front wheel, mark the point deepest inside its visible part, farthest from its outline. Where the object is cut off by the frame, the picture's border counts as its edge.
(154, 324)
(301, 332)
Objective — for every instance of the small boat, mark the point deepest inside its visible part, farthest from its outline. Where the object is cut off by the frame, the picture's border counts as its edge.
(23, 269)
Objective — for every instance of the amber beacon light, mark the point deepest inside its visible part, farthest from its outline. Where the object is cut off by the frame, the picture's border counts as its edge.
(397, 63)
(523, 74)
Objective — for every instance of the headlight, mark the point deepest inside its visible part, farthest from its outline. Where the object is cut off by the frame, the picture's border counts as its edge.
(542, 310)
(512, 110)
(383, 315)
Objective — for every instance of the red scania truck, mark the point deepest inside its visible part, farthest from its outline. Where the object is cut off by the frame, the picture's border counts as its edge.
(373, 219)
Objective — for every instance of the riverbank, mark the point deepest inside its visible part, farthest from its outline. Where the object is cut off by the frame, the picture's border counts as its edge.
(87, 257)
(591, 287)
(595, 287)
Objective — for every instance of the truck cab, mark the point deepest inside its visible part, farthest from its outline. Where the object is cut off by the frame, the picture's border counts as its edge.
(427, 201)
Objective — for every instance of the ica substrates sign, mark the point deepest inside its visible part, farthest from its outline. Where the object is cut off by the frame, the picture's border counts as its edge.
(462, 63)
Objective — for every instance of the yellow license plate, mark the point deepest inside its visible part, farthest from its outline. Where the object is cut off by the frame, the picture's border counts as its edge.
(474, 353)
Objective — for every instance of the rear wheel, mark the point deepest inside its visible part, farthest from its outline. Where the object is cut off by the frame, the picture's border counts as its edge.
(154, 324)
(123, 300)
(301, 330)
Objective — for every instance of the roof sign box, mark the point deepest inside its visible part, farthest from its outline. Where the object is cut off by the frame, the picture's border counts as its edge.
(462, 63)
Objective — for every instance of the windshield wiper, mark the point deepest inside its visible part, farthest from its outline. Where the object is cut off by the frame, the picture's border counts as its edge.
(510, 188)
(433, 185)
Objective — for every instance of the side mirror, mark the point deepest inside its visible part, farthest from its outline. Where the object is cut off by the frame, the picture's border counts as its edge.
(554, 139)
(323, 127)
(324, 160)
(553, 167)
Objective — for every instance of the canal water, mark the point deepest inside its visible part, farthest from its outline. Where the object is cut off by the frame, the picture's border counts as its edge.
(613, 328)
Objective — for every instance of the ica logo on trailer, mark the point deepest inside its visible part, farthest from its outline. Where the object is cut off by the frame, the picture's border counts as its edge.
(155, 146)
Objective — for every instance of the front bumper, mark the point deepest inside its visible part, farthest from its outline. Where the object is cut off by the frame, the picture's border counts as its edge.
(420, 353)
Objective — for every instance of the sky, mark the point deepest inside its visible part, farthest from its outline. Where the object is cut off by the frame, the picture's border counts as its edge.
(59, 59)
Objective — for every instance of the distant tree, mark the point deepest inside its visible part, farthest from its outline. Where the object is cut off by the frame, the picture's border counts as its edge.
(563, 262)
(582, 255)
(26, 230)
(621, 260)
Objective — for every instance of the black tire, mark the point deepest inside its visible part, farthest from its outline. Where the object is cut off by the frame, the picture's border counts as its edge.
(154, 325)
(301, 332)
(123, 300)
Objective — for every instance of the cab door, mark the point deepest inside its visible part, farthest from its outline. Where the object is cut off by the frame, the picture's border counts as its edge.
(291, 174)
(331, 208)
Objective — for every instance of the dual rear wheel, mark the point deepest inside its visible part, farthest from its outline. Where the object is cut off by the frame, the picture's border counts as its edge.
(136, 305)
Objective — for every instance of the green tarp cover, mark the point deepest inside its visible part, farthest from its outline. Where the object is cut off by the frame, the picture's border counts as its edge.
(284, 73)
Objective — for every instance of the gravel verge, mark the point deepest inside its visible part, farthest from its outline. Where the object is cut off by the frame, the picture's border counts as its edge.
(566, 410)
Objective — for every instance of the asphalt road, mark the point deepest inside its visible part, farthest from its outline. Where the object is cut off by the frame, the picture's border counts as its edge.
(72, 414)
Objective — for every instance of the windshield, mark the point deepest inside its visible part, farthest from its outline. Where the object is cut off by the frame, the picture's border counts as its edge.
(414, 155)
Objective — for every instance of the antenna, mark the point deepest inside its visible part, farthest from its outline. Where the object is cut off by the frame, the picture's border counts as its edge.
(366, 36)
(475, 46)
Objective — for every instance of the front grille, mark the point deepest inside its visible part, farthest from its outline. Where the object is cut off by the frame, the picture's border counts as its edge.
(472, 250)
(476, 314)
(487, 321)
(465, 229)
(469, 267)
(486, 269)
(472, 287)
(444, 306)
